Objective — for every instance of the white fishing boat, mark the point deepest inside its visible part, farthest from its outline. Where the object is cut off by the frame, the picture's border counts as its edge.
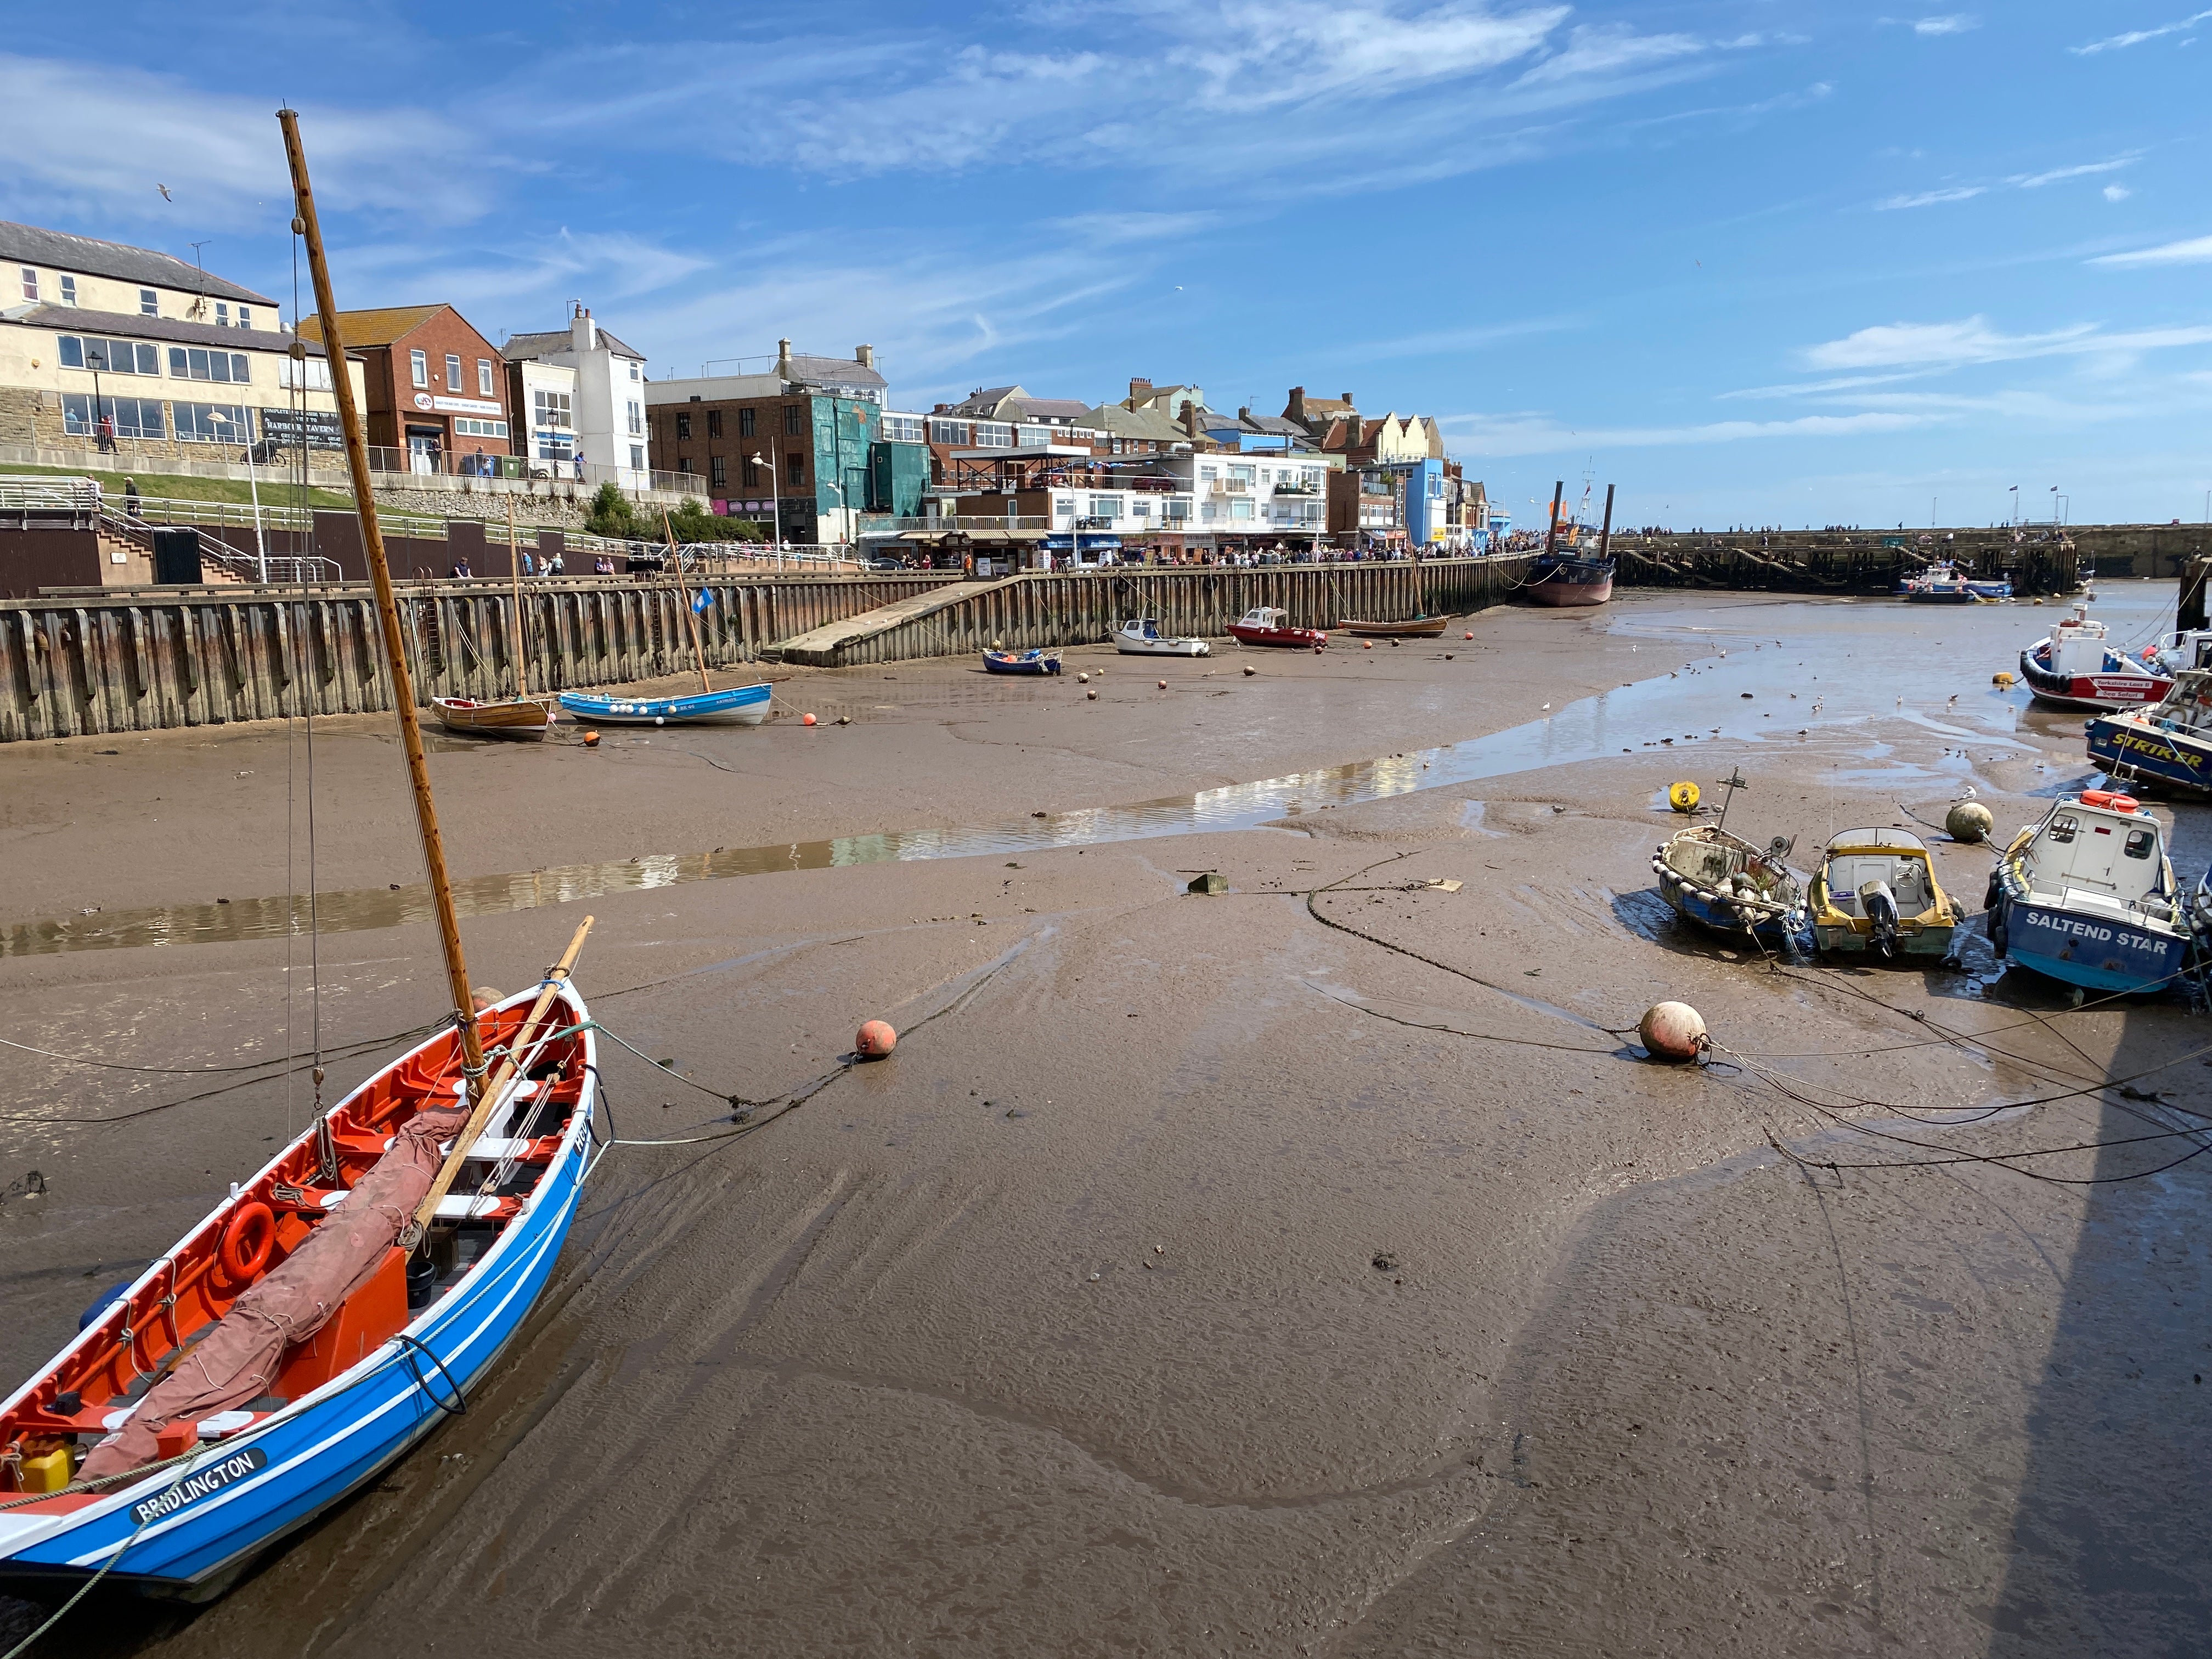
(2087, 897)
(1140, 636)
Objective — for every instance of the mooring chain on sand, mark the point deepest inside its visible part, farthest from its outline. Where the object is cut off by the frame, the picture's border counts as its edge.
(1313, 909)
(1794, 1090)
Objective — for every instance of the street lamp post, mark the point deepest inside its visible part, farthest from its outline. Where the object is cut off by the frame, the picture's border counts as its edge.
(252, 489)
(775, 505)
(2054, 507)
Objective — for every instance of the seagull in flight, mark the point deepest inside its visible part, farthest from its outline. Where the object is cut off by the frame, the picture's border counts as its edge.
(164, 189)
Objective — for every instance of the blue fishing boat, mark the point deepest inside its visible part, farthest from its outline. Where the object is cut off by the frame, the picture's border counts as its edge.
(744, 705)
(1021, 662)
(2087, 896)
(404, 1348)
(1942, 584)
(2169, 743)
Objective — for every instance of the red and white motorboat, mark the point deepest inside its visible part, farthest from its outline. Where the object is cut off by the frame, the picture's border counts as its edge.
(1266, 624)
(2075, 668)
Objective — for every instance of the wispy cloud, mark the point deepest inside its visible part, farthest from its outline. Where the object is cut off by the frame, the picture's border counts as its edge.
(2036, 180)
(2117, 193)
(1972, 340)
(1956, 23)
(2137, 36)
(115, 133)
(1504, 436)
(1930, 197)
(2196, 251)
(1610, 49)
(2016, 181)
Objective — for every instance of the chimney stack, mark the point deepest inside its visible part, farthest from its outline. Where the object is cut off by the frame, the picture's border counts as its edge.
(1359, 433)
(1190, 417)
(783, 360)
(1296, 409)
(583, 333)
(1347, 397)
(1138, 390)
(865, 355)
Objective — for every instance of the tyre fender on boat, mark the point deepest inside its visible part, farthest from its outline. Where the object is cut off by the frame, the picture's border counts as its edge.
(247, 1240)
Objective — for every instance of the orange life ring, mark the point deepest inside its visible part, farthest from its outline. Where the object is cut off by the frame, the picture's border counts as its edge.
(2096, 798)
(248, 1241)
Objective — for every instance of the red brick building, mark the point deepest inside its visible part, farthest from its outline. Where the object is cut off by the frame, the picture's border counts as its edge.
(437, 390)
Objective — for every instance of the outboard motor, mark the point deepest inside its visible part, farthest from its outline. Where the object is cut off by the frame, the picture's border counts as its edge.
(1880, 907)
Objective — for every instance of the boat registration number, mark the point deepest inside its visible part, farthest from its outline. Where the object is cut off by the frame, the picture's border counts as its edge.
(199, 1484)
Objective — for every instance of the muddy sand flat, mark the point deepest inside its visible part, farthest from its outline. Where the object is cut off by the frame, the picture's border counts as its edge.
(1202, 1277)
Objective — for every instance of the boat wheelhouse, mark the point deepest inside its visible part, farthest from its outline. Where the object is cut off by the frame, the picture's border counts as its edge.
(2087, 896)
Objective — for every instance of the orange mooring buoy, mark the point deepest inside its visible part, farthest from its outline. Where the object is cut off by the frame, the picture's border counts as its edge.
(876, 1040)
(1672, 1030)
(590, 740)
(806, 719)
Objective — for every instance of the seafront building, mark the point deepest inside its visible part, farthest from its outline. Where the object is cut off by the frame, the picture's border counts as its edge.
(437, 389)
(578, 396)
(138, 354)
(791, 448)
(116, 349)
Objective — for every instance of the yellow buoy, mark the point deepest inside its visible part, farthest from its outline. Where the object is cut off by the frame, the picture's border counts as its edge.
(1682, 797)
(2001, 678)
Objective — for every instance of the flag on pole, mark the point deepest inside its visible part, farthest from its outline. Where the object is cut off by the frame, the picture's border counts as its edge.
(702, 600)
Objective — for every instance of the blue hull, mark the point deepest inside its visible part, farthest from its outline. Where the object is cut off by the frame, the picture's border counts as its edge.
(1022, 664)
(2090, 951)
(746, 705)
(249, 1491)
(1776, 935)
(2171, 758)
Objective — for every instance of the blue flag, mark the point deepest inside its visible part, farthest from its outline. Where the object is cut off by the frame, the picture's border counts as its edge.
(702, 601)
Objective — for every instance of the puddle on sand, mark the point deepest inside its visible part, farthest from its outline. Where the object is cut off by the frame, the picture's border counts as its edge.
(1891, 671)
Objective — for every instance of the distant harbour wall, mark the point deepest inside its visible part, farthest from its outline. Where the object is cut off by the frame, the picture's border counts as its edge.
(147, 659)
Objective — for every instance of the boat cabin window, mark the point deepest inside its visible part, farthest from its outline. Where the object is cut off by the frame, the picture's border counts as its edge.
(2141, 843)
(2064, 829)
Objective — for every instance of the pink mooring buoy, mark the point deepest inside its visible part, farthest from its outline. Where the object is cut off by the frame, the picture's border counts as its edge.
(1672, 1030)
(877, 1039)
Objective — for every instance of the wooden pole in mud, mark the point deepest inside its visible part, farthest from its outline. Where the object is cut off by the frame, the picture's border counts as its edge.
(690, 616)
(1551, 529)
(515, 576)
(1604, 534)
(388, 608)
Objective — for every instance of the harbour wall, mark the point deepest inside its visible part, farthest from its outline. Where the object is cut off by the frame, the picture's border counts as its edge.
(1821, 561)
(1041, 609)
(144, 660)
(141, 660)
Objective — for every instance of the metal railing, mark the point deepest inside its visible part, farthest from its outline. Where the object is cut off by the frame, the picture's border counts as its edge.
(471, 462)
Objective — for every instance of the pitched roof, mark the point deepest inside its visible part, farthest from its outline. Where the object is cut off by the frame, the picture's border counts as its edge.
(1122, 422)
(30, 245)
(75, 319)
(374, 328)
(1052, 408)
(528, 348)
(832, 371)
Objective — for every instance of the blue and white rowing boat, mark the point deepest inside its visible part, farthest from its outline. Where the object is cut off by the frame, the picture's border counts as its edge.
(401, 1350)
(744, 705)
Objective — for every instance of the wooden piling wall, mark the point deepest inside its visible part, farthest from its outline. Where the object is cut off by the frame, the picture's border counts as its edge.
(143, 660)
(1081, 607)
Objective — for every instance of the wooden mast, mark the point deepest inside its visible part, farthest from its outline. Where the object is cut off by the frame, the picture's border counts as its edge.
(514, 574)
(1552, 530)
(387, 610)
(1605, 532)
(690, 616)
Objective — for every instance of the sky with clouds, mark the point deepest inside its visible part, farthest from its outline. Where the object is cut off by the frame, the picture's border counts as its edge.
(1755, 261)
